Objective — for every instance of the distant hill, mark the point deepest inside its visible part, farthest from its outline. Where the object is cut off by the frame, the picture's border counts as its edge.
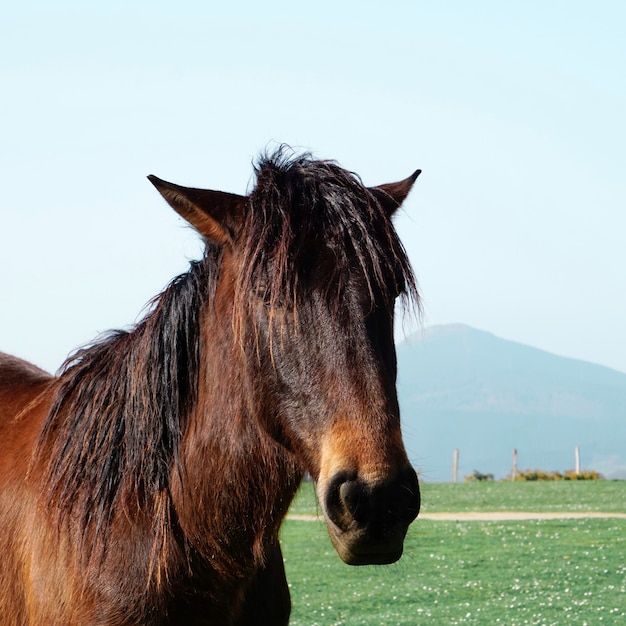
(463, 388)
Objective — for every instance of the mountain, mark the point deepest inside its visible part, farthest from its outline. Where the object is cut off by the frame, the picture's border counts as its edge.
(463, 388)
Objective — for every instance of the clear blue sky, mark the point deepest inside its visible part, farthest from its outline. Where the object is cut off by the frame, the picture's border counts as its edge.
(516, 112)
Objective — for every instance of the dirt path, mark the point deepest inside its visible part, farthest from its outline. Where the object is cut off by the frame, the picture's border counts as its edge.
(492, 516)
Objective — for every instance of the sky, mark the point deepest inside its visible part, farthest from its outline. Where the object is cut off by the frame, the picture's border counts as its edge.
(515, 112)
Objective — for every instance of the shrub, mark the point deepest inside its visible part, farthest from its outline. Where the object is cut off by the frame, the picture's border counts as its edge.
(531, 475)
(583, 475)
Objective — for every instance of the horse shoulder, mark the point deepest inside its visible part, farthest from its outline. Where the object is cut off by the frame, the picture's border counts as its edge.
(26, 393)
(21, 384)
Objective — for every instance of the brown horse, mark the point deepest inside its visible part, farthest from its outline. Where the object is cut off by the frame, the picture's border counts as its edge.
(146, 484)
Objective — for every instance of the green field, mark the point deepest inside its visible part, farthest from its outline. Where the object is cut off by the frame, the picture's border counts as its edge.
(544, 572)
(590, 495)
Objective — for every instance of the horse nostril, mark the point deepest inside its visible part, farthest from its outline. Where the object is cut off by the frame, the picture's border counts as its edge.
(335, 505)
(356, 500)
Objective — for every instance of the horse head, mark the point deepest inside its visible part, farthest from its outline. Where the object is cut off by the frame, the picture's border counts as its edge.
(311, 267)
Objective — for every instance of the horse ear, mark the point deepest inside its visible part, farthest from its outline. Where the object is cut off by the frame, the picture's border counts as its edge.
(392, 195)
(216, 215)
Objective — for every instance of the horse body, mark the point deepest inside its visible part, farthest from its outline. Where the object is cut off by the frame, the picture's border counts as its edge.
(147, 482)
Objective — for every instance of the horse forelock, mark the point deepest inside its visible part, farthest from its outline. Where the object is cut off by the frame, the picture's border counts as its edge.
(312, 221)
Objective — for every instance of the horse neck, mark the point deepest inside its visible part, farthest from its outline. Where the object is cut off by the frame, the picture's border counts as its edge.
(236, 482)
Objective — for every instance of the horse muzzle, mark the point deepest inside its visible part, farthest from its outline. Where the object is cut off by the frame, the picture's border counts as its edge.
(367, 522)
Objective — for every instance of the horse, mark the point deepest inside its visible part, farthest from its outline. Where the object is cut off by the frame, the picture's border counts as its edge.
(147, 481)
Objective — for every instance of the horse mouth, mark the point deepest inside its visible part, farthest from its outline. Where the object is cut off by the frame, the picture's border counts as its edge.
(370, 558)
(354, 548)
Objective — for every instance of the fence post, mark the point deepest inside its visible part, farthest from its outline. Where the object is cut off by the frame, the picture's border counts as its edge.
(577, 456)
(455, 465)
(514, 470)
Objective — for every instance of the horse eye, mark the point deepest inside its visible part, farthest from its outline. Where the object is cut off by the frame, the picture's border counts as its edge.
(263, 294)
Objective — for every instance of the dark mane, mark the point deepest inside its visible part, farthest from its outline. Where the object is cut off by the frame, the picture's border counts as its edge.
(114, 430)
(301, 205)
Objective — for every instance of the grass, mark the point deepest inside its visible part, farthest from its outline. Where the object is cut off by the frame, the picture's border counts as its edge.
(544, 572)
(592, 495)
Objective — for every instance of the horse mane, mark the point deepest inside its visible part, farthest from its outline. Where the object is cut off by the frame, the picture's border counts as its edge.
(114, 429)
